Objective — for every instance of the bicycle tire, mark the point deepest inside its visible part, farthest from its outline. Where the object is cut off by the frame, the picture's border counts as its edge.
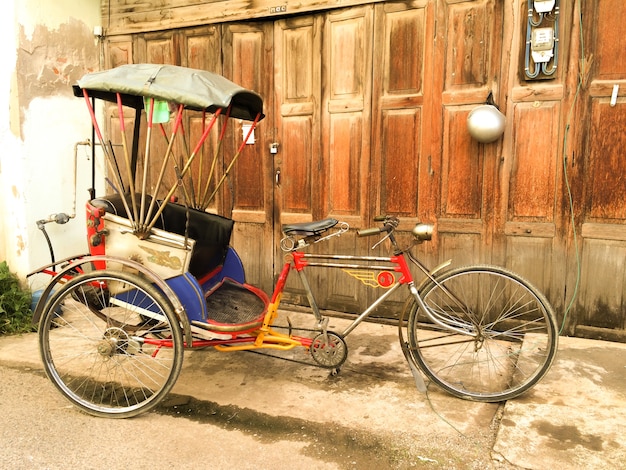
(505, 339)
(111, 343)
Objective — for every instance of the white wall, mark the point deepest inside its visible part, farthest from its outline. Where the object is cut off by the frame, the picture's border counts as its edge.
(9, 144)
(46, 45)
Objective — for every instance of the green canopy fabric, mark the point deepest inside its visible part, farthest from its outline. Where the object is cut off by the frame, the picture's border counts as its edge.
(196, 89)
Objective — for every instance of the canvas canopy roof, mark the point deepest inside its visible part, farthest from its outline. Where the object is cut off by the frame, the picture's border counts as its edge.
(196, 89)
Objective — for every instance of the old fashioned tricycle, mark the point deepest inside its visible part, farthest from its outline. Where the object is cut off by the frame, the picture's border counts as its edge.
(161, 277)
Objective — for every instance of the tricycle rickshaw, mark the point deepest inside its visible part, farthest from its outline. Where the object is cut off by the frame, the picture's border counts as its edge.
(160, 276)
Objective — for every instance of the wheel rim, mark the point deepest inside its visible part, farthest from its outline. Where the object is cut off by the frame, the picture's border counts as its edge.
(509, 339)
(116, 361)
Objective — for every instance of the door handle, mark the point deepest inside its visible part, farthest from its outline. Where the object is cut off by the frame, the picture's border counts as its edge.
(277, 177)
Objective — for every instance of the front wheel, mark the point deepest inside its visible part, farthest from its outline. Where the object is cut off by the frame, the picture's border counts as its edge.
(488, 335)
(111, 343)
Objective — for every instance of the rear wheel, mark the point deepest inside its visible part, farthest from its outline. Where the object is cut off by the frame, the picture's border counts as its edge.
(111, 343)
(490, 335)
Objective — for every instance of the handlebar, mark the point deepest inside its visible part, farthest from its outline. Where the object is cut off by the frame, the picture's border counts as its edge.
(368, 232)
(421, 232)
(389, 224)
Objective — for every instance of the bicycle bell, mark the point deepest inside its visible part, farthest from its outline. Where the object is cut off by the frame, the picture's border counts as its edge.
(485, 123)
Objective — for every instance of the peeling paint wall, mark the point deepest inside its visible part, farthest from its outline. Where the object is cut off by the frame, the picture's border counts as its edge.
(50, 61)
(47, 46)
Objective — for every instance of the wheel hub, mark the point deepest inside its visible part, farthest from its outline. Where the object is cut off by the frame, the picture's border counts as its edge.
(106, 348)
(115, 341)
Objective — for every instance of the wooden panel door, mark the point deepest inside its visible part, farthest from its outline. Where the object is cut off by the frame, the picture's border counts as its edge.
(297, 64)
(201, 49)
(157, 48)
(297, 133)
(247, 61)
(404, 169)
(530, 225)
(323, 92)
(403, 111)
(601, 169)
(346, 145)
(466, 69)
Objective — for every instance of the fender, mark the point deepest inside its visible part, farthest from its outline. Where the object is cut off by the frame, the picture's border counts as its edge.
(148, 273)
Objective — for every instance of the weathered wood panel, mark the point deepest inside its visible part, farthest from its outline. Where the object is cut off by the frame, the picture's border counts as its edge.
(599, 168)
(124, 16)
(119, 51)
(462, 168)
(606, 175)
(533, 171)
(157, 48)
(346, 110)
(346, 66)
(431, 62)
(528, 222)
(603, 283)
(247, 60)
(297, 45)
(400, 155)
(468, 52)
(402, 60)
(201, 49)
(297, 130)
(608, 37)
(470, 39)
(526, 253)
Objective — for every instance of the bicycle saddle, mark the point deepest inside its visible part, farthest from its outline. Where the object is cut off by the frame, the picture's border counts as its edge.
(309, 228)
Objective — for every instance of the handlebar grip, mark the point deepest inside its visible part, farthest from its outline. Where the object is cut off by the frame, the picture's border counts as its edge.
(368, 232)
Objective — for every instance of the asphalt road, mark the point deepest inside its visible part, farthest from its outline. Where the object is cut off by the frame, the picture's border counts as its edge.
(250, 411)
(41, 430)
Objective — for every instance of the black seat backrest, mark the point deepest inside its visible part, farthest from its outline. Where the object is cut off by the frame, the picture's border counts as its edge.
(211, 232)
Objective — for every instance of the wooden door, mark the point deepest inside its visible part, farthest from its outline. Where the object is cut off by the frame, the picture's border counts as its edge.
(248, 61)
(346, 145)
(242, 53)
(297, 133)
(466, 68)
(297, 66)
(599, 172)
(405, 122)
(322, 69)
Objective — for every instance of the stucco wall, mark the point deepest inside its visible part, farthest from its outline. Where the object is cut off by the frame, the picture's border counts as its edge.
(46, 45)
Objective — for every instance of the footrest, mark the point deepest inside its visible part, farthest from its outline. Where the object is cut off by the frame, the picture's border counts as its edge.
(235, 307)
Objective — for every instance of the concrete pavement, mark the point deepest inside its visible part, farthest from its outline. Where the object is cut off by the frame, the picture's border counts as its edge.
(372, 416)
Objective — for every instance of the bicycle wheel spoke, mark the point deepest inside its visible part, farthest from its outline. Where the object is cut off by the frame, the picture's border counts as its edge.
(486, 335)
(92, 342)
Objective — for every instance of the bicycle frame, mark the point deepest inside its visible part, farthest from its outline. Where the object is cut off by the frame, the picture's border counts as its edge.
(395, 263)
(297, 260)
(266, 337)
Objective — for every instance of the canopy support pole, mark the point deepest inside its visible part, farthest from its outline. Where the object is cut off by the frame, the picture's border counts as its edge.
(235, 157)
